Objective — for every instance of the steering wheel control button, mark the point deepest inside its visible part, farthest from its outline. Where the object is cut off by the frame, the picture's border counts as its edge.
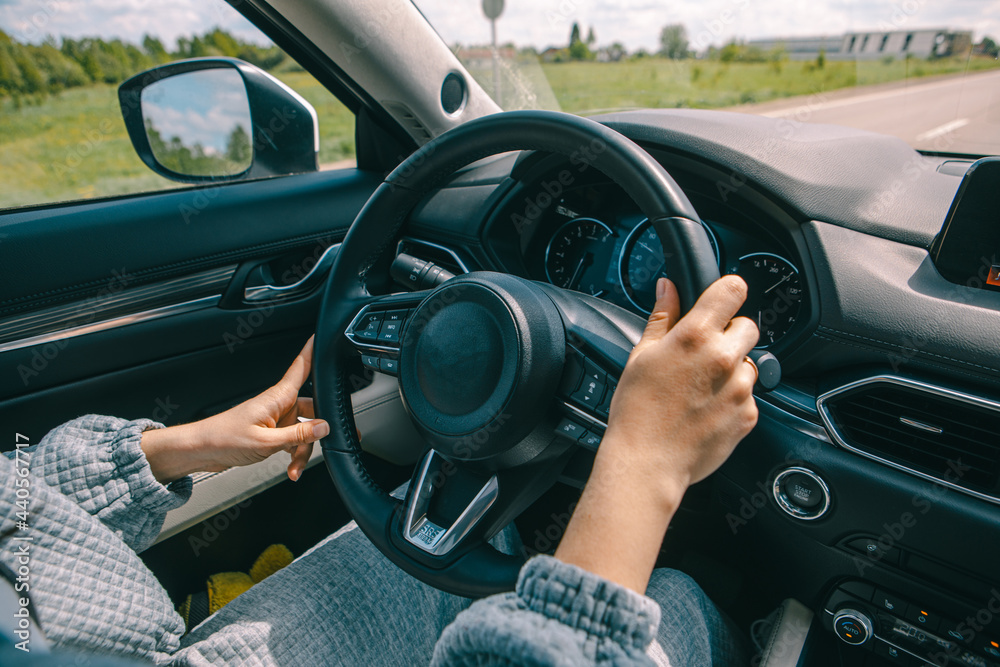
(591, 440)
(570, 429)
(367, 328)
(389, 366)
(801, 493)
(590, 393)
(392, 326)
(852, 626)
(370, 361)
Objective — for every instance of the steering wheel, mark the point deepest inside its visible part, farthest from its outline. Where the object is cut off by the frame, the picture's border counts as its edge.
(503, 377)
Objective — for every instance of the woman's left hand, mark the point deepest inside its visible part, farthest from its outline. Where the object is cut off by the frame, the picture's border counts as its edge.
(247, 433)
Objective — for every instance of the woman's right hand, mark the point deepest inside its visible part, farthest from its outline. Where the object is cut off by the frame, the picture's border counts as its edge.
(685, 398)
(683, 403)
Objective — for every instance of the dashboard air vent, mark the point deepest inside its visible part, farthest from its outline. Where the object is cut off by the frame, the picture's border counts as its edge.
(925, 429)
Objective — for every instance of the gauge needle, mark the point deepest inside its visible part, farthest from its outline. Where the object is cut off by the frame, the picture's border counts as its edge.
(777, 283)
(579, 269)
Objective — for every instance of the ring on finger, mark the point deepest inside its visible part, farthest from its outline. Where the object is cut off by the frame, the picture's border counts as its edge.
(756, 373)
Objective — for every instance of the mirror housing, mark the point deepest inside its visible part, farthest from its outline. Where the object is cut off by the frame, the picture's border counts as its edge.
(283, 136)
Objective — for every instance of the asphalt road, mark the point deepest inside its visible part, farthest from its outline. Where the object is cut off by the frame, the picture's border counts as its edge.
(954, 114)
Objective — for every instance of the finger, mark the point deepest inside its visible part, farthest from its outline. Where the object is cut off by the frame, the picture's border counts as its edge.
(741, 335)
(301, 433)
(719, 303)
(300, 457)
(666, 312)
(298, 372)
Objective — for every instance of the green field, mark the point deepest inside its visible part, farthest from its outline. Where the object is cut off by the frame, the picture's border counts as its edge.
(74, 146)
(659, 83)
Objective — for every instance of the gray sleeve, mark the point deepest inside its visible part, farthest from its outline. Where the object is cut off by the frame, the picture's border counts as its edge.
(96, 462)
(558, 614)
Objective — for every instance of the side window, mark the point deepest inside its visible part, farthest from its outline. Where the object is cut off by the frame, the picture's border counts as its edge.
(62, 137)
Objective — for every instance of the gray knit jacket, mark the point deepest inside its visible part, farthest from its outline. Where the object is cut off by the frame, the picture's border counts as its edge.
(94, 504)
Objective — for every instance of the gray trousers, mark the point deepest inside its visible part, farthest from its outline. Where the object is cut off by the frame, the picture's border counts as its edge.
(344, 603)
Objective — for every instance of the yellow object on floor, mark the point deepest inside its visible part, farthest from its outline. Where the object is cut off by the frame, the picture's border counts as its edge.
(224, 587)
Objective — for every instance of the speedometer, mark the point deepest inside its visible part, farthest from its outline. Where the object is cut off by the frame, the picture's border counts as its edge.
(641, 264)
(578, 255)
(774, 294)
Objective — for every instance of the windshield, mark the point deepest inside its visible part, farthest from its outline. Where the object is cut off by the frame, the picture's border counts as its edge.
(921, 70)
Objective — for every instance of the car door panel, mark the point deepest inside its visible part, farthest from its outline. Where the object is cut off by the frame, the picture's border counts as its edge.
(175, 342)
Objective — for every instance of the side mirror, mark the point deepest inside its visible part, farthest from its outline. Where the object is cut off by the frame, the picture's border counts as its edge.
(216, 120)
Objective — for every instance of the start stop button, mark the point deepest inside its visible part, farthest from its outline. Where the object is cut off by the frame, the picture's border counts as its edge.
(801, 493)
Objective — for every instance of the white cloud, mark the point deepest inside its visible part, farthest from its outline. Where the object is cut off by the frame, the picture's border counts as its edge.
(637, 23)
(31, 20)
(540, 23)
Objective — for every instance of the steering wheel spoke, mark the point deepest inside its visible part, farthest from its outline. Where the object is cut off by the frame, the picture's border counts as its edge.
(424, 526)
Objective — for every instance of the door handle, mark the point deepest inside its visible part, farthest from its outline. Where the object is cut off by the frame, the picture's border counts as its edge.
(307, 283)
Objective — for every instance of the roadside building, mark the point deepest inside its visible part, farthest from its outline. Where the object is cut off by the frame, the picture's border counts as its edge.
(871, 45)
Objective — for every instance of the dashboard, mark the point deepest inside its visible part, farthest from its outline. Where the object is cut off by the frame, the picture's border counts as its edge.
(889, 369)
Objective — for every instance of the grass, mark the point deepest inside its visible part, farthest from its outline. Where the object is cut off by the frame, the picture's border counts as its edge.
(660, 83)
(74, 145)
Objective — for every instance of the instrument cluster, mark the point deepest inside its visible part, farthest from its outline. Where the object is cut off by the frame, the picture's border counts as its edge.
(593, 240)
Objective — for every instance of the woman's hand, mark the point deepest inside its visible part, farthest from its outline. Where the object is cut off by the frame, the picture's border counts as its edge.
(686, 397)
(683, 403)
(250, 432)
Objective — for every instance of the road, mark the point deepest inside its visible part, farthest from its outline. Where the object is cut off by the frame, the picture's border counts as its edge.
(954, 114)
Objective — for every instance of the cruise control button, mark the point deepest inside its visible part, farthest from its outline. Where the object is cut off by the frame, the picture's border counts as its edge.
(590, 440)
(368, 326)
(592, 371)
(590, 393)
(570, 429)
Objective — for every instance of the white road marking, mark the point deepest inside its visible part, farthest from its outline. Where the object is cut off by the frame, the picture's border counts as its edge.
(810, 107)
(943, 129)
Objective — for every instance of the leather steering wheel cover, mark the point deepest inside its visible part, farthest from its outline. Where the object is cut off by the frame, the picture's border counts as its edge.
(588, 144)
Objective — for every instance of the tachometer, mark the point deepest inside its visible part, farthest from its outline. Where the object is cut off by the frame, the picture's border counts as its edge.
(578, 255)
(641, 264)
(774, 294)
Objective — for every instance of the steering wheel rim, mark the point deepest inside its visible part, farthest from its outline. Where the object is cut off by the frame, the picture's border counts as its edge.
(477, 569)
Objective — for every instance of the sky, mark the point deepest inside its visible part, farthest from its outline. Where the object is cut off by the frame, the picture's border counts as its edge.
(539, 23)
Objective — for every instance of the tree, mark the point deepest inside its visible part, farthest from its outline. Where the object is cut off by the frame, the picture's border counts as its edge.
(988, 47)
(674, 41)
(591, 37)
(578, 49)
